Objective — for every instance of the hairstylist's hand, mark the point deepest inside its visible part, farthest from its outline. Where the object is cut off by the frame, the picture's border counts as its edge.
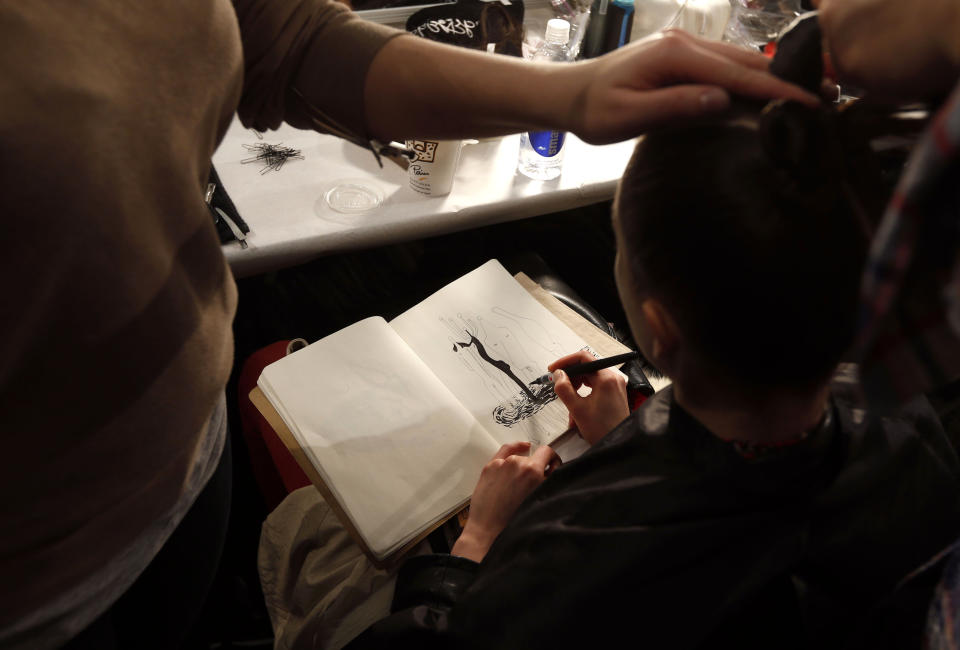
(504, 483)
(666, 79)
(604, 408)
(894, 49)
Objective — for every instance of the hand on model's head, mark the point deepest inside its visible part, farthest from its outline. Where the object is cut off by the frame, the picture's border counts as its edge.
(666, 79)
(893, 49)
(604, 408)
(509, 477)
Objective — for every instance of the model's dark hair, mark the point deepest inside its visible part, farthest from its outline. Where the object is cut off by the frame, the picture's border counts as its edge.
(743, 230)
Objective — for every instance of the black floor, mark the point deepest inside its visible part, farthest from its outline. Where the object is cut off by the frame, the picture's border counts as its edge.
(316, 299)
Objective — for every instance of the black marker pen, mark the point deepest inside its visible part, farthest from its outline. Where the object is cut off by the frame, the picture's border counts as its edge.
(588, 366)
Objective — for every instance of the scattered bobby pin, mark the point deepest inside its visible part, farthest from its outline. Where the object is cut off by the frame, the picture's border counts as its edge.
(273, 156)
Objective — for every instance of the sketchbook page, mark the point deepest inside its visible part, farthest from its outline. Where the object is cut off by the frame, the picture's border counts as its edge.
(598, 340)
(393, 445)
(487, 339)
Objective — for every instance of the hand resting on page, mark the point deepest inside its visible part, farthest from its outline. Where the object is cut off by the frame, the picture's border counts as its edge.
(504, 483)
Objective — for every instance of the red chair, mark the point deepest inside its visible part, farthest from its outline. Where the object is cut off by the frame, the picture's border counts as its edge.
(274, 468)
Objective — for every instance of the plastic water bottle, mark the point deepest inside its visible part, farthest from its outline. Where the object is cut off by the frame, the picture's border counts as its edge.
(541, 152)
(755, 23)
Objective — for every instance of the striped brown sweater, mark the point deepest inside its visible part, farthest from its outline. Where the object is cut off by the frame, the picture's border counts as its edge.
(116, 302)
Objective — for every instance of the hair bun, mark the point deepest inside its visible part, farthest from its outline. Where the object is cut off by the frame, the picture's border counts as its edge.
(801, 140)
(799, 56)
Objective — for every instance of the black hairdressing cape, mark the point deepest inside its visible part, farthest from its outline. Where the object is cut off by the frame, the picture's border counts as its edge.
(664, 536)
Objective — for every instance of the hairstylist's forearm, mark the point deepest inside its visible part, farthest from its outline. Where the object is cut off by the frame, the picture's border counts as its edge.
(419, 88)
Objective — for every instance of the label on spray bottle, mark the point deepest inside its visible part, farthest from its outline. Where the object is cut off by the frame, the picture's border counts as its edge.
(547, 143)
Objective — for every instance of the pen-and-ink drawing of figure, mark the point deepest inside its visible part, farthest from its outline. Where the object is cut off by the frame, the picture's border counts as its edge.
(532, 397)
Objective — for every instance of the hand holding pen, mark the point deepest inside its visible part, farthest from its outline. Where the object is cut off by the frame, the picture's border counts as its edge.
(606, 406)
(586, 367)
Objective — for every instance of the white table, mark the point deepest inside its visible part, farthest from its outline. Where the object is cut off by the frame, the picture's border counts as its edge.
(291, 223)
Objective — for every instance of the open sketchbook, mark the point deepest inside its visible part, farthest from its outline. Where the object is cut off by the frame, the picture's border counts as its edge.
(399, 418)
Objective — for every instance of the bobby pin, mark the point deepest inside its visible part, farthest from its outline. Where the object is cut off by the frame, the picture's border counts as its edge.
(273, 156)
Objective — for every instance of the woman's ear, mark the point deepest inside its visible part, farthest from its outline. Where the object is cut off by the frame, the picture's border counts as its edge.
(664, 335)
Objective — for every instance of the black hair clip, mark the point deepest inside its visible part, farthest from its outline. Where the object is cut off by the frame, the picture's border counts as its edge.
(393, 150)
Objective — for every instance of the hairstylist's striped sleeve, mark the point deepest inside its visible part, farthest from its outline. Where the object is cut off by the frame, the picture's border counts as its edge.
(909, 339)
